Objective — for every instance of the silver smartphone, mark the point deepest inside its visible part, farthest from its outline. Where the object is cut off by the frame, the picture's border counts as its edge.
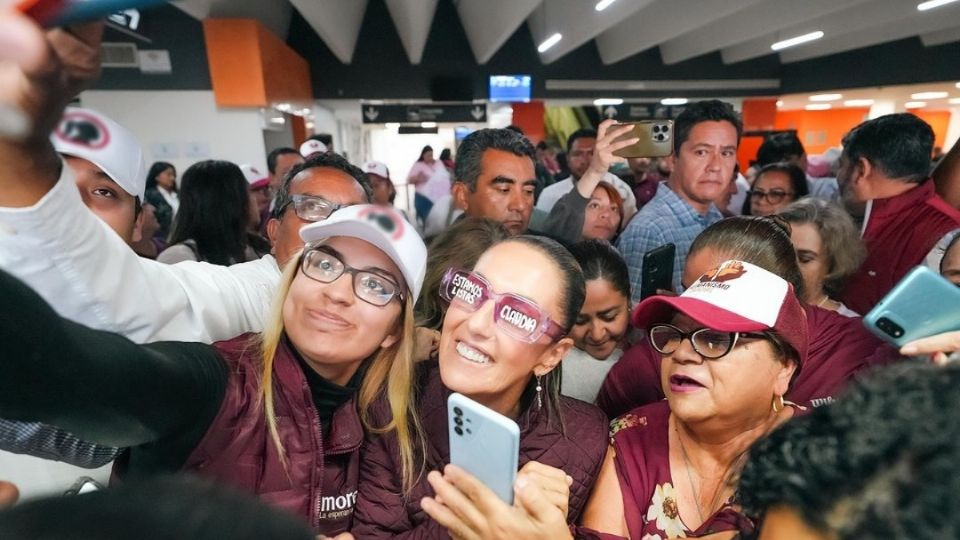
(484, 443)
(922, 304)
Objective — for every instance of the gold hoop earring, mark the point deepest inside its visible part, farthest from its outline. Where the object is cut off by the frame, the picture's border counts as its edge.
(778, 404)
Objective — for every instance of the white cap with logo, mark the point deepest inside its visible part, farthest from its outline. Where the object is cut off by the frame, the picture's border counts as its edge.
(383, 227)
(90, 135)
(311, 147)
(376, 167)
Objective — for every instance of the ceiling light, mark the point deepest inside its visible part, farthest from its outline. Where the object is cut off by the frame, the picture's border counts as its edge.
(858, 102)
(674, 101)
(603, 4)
(549, 42)
(428, 124)
(817, 106)
(923, 6)
(826, 97)
(392, 125)
(954, 101)
(283, 107)
(779, 103)
(929, 95)
(601, 102)
(915, 104)
(780, 45)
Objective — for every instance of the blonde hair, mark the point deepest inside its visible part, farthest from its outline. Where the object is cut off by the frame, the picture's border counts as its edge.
(391, 369)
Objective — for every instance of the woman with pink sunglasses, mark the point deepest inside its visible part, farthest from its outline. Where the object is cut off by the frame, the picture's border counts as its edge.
(503, 336)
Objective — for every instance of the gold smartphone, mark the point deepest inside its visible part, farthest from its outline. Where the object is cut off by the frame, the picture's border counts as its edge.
(656, 139)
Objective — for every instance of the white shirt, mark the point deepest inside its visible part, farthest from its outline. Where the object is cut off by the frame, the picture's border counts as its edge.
(90, 275)
(552, 193)
(171, 197)
(583, 375)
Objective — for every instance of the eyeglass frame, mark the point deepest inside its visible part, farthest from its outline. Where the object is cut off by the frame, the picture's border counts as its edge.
(759, 194)
(347, 269)
(546, 326)
(298, 198)
(690, 337)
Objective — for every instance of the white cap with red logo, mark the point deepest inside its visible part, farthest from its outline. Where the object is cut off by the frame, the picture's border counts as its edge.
(89, 135)
(376, 167)
(311, 147)
(383, 227)
(254, 177)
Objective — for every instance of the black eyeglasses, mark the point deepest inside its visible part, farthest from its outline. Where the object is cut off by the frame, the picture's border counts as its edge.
(309, 207)
(323, 265)
(708, 343)
(774, 196)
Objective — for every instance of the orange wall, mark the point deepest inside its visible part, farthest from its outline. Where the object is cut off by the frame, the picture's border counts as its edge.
(759, 114)
(529, 118)
(250, 67)
(939, 121)
(820, 130)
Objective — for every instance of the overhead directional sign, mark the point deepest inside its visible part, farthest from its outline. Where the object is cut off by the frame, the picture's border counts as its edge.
(428, 112)
(641, 111)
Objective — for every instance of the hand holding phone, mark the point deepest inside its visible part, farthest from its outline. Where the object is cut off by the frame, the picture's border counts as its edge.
(922, 304)
(484, 443)
(657, 272)
(655, 139)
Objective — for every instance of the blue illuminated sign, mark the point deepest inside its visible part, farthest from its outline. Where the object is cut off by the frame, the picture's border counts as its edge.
(510, 88)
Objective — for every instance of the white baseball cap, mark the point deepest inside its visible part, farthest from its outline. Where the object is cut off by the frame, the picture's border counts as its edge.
(254, 177)
(376, 167)
(383, 227)
(311, 147)
(735, 296)
(90, 135)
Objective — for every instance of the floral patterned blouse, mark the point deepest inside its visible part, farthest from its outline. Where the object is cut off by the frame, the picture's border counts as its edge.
(640, 439)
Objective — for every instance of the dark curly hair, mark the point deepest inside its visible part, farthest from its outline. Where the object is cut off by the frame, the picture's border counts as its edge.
(881, 462)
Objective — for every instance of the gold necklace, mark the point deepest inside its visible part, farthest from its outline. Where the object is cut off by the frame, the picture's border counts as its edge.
(689, 465)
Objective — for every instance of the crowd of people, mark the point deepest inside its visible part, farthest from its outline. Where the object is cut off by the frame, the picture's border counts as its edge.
(270, 355)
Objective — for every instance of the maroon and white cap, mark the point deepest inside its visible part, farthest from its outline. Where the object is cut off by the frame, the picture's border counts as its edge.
(376, 167)
(255, 178)
(311, 147)
(735, 296)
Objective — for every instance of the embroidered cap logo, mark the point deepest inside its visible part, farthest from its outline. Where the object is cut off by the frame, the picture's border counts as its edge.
(83, 129)
(388, 221)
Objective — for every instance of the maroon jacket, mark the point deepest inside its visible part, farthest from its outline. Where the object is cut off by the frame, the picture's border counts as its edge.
(384, 512)
(839, 348)
(900, 233)
(320, 480)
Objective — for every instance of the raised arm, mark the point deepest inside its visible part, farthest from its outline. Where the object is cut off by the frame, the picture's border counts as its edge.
(565, 221)
(100, 386)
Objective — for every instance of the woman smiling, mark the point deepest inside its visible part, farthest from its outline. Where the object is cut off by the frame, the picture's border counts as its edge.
(280, 414)
(602, 323)
(503, 337)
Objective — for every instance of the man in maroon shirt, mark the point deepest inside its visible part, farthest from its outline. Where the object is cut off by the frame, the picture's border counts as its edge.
(885, 164)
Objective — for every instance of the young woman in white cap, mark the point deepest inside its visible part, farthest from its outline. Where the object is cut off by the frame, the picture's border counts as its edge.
(730, 346)
(281, 413)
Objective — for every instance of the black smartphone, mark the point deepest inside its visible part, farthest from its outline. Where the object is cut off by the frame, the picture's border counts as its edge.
(51, 13)
(657, 270)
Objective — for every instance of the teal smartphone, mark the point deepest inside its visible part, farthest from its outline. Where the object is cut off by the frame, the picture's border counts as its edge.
(922, 304)
(484, 443)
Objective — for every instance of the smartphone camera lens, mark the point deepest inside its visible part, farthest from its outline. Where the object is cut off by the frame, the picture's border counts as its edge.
(665, 128)
(889, 327)
(458, 411)
(656, 129)
(458, 430)
(457, 420)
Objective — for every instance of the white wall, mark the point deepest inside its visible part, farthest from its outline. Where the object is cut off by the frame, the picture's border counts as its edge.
(184, 124)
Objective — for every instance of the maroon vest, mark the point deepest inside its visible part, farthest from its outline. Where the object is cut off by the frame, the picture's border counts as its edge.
(320, 479)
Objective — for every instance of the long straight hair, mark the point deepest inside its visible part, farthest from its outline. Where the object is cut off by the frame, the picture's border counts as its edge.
(214, 212)
(391, 370)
